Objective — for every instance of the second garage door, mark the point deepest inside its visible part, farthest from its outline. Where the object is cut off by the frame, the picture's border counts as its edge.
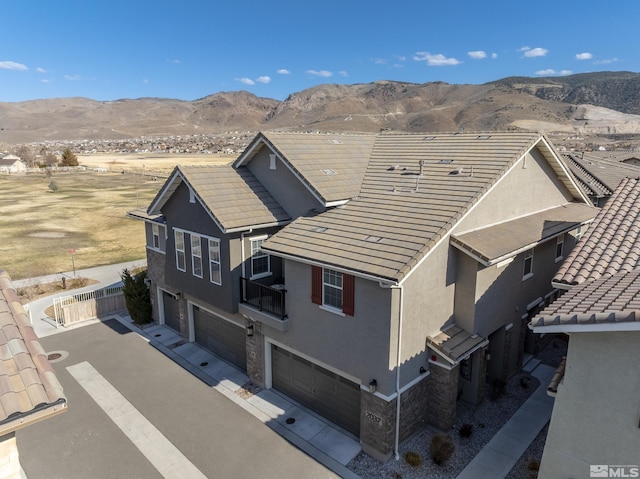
(221, 337)
(171, 311)
(327, 393)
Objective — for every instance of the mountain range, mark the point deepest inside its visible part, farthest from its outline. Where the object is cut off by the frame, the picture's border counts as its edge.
(605, 104)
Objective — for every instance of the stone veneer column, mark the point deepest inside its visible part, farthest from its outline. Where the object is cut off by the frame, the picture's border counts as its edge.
(377, 425)
(443, 396)
(255, 355)
(9, 459)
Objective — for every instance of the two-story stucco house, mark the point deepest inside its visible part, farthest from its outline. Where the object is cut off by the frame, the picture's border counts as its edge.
(347, 271)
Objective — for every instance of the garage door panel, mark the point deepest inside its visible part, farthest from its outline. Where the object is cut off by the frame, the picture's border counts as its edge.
(220, 337)
(171, 311)
(321, 390)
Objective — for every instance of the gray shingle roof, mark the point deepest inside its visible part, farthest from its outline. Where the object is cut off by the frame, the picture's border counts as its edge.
(233, 197)
(609, 300)
(612, 242)
(497, 242)
(331, 165)
(29, 389)
(401, 212)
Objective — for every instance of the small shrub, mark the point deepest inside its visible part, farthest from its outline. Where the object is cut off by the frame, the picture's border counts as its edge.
(466, 430)
(137, 296)
(533, 465)
(413, 459)
(441, 448)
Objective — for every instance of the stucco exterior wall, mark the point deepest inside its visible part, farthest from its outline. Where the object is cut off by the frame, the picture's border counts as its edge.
(596, 413)
(282, 184)
(355, 345)
(507, 200)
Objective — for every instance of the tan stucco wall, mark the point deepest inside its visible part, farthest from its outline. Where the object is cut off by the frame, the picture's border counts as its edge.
(9, 459)
(597, 409)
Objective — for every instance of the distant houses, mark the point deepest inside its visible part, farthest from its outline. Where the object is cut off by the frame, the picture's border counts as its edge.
(12, 164)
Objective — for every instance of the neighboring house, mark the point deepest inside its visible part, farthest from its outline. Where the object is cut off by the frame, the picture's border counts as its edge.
(599, 177)
(12, 164)
(29, 389)
(596, 415)
(347, 270)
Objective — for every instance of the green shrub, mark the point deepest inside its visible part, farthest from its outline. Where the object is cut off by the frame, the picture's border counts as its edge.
(441, 448)
(137, 296)
(413, 459)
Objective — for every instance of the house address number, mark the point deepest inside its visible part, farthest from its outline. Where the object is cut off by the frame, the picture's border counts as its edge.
(373, 418)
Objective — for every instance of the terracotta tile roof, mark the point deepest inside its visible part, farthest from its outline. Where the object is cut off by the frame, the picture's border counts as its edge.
(233, 197)
(416, 188)
(600, 175)
(612, 242)
(331, 165)
(29, 389)
(497, 242)
(606, 301)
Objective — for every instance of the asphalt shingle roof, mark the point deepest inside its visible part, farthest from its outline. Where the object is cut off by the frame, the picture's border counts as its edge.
(612, 242)
(29, 389)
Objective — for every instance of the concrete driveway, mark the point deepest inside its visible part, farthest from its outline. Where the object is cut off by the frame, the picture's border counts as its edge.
(135, 413)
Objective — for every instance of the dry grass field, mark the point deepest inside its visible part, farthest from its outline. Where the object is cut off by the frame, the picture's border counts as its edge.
(87, 214)
(149, 162)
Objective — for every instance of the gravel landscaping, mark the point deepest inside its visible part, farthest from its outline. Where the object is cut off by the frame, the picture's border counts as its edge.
(485, 420)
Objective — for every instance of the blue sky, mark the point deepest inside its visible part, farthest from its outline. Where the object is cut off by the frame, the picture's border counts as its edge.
(190, 49)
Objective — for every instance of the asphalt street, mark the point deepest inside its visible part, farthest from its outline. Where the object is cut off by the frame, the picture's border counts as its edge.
(172, 412)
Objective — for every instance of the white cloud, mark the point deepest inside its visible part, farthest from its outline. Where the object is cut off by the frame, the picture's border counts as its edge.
(246, 81)
(551, 71)
(400, 58)
(523, 49)
(175, 60)
(9, 65)
(320, 73)
(379, 61)
(607, 61)
(477, 55)
(494, 55)
(343, 73)
(44, 80)
(435, 60)
(41, 70)
(263, 79)
(284, 71)
(536, 52)
(584, 56)
(73, 77)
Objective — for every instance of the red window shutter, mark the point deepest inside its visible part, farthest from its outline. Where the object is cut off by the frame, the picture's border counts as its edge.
(316, 285)
(348, 294)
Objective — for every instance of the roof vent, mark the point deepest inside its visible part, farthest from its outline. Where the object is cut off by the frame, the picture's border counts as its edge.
(329, 172)
(483, 137)
(457, 171)
(319, 229)
(373, 239)
(429, 138)
(445, 161)
(335, 142)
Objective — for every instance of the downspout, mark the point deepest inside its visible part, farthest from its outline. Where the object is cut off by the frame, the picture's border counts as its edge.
(242, 250)
(398, 362)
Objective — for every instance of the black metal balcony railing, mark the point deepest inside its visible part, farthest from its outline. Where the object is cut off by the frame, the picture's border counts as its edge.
(265, 298)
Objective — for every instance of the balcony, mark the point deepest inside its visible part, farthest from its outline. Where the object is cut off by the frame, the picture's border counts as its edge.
(263, 303)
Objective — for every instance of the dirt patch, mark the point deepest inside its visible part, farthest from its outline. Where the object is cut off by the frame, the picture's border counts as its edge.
(40, 290)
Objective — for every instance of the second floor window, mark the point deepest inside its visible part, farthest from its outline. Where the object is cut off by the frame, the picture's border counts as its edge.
(181, 262)
(155, 229)
(196, 255)
(260, 262)
(333, 289)
(528, 264)
(214, 261)
(559, 248)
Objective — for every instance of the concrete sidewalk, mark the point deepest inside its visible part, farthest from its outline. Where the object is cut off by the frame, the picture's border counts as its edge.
(502, 452)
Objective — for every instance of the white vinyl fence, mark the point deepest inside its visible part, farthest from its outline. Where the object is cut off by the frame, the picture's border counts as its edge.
(88, 305)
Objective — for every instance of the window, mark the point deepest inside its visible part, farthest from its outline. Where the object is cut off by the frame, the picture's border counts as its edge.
(180, 255)
(333, 289)
(214, 261)
(155, 232)
(559, 248)
(528, 264)
(578, 233)
(196, 255)
(260, 262)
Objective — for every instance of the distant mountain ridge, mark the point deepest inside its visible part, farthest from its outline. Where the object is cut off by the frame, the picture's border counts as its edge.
(589, 103)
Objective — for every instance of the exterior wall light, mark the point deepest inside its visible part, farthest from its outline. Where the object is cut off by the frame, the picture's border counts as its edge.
(249, 329)
(373, 385)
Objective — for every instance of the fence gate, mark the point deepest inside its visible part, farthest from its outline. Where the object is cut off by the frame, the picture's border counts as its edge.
(88, 305)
